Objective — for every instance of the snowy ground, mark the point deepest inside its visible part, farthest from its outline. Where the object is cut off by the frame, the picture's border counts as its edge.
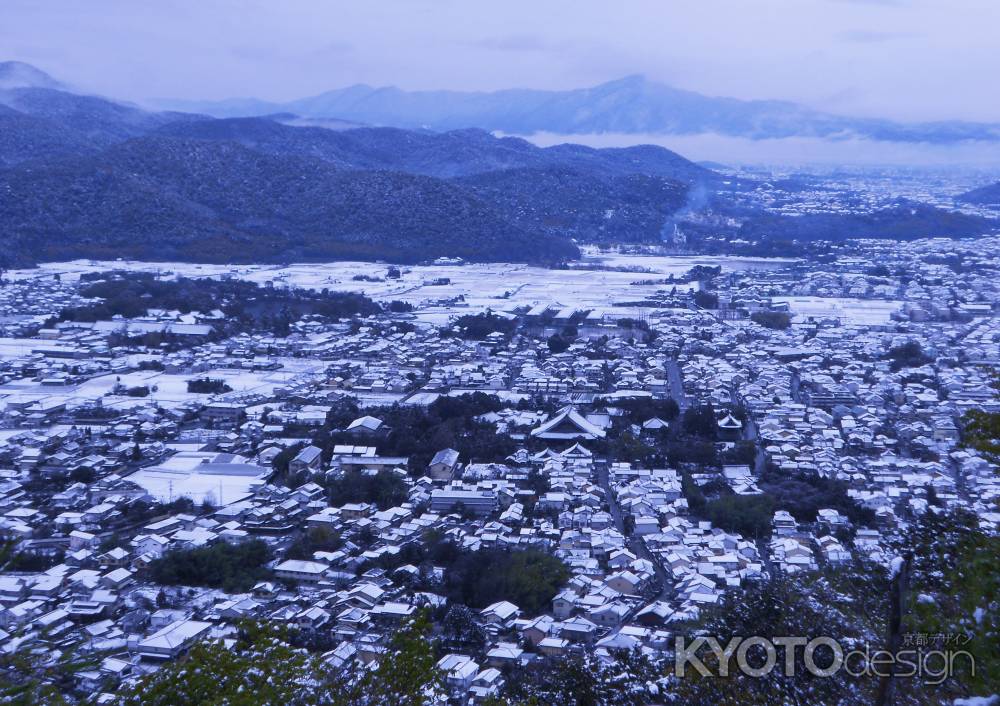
(475, 287)
(501, 286)
(867, 312)
(185, 474)
(170, 389)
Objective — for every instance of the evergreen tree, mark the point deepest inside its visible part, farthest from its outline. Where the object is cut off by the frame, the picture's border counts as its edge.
(407, 675)
(982, 429)
(260, 667)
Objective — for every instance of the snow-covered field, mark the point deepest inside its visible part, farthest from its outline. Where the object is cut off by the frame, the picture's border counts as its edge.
(191, 474)
(170, 389)
(867, 312)
(438, 290)
(500, 286)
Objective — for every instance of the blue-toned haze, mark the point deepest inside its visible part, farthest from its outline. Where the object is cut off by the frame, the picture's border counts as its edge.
(892, 66)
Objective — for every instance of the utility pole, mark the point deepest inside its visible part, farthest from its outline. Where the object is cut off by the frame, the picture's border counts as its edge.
(897, 599)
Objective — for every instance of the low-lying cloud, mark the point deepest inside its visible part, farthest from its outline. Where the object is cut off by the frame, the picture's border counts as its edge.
(792, 151)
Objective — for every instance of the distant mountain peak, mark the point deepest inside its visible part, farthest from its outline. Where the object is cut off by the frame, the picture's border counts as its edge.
(983, 196)
(630, 80)
(18, 74)
(633, 104)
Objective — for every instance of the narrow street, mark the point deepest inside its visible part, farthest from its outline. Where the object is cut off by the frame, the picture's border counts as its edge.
(750, 434)
(635, 544)
(676, 382)
(760, 458)
(759, 463)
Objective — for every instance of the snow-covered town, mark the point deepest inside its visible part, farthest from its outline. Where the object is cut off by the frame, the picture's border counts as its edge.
(546, 463)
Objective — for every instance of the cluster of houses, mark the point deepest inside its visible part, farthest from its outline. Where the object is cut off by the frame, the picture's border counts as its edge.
(98, 482)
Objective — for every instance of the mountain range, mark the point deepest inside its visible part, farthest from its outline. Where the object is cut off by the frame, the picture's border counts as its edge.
(631, 105)
(85, 176)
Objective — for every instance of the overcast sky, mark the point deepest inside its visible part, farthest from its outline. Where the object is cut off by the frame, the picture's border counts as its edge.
(904, 59)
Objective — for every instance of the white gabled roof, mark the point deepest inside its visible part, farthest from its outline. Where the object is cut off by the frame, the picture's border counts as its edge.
(568, 415)
(301, 567)
(449, 457)
(365, 422)
(175, 635)
(730, 422)
(577, 450)
(502, 609)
